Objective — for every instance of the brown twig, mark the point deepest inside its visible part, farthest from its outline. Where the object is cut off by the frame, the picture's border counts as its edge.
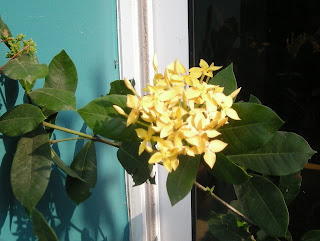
(245, 218)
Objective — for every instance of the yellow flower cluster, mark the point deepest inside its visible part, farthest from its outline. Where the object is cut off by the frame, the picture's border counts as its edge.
(181, 114)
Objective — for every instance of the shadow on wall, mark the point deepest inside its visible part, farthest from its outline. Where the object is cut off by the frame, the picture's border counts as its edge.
(55, 205)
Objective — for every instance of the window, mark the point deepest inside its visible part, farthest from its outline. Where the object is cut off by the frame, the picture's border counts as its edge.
(280, 41)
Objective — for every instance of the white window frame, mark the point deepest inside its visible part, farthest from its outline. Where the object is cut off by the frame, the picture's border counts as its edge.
(146, 27)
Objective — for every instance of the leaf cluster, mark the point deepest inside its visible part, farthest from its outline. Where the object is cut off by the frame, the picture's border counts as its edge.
(256, 151)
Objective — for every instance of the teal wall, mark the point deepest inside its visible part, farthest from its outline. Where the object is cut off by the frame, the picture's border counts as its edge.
(87, 30)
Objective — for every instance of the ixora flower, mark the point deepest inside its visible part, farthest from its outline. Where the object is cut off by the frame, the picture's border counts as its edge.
(181, 114)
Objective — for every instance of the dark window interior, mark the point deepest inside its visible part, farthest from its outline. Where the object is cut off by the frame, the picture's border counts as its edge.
(275, 48)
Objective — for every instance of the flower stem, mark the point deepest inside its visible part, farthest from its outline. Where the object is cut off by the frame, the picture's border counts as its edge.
(67, 139)
(86, 136)
(224, 203)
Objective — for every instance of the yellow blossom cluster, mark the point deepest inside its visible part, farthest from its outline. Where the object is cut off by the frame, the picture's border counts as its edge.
(181, 114)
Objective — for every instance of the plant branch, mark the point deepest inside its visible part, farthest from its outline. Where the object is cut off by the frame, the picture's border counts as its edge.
(312, 166)
(227, 205)
(68, 139)
(6, 40)
(86, 136)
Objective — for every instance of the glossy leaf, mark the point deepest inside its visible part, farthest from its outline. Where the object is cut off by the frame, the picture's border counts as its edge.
(290, 186)
(102, 118)
(54, 99)
(227, 171)
(20, 120)
(62, 73)
(225, 78)
(180, 182)
(23, 68)
(56, 159)
(285, 153)
(264, 204)
(31, 168)
(224, 227)
(312, 235)
(118, 87)
(85, 165)
(254, 99)
(41, 227)
(257, 126)
(136, 165)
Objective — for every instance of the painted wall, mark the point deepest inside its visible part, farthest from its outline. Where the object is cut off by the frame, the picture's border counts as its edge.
(87, 30)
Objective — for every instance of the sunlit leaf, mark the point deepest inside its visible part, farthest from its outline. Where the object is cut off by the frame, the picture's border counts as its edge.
(264, 204)
(20, 120)
(118, 87)
(284, 154)
(227, 171)
(225, 78)
(31, 168)
(136, 165)
(103, 119)
(24, 68)
(85, 165)
(54, 99)
(180, 182)
(62, 73)
(257, 126)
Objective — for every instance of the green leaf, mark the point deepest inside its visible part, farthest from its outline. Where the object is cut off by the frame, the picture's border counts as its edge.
(284, 154)
(227, 171)
(24, 68)
(4, 30)
(225, 78)
(263, 203)
(85, 165)
(262, 236)
(254, 99)
(312, 235)
(20, 120)
(41, 227)
(118, 87)
(31, 168)
(290, 186)
(54, 99)
(224, 227)
(180, 182)
(257, 126)
(56, 159)
(102, 118)
(62, 73)
(136, 165)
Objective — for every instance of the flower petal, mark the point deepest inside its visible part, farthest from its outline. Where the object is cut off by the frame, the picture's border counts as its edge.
(155, 158)
(217, 145)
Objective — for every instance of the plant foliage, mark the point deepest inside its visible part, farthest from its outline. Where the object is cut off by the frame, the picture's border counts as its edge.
(188, 121)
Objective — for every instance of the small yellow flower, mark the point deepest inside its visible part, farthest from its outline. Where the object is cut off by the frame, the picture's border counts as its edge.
(182, 112)
(133, 103)
(146, 136)
(205, 69)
